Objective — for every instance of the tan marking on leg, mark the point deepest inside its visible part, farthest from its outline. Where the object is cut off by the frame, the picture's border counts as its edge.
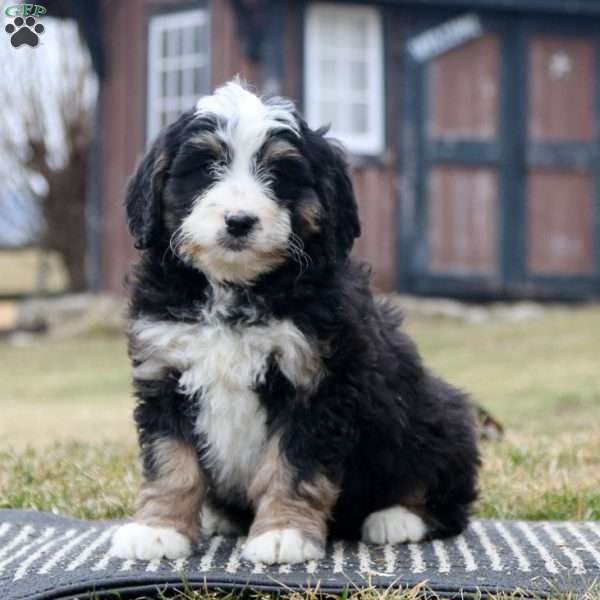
(280, 504)
(174, 497)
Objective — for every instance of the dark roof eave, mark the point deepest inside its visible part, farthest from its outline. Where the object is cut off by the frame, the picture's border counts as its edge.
(569, 7)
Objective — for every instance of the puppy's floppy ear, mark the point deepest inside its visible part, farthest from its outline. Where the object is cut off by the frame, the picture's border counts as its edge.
(333, 184)
(144, 195)
(347, 222)
(144, 201)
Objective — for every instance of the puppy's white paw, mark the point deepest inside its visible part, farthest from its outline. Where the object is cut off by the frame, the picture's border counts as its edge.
(214, 522)
(393, 526)
(282, 546)
(137, 541)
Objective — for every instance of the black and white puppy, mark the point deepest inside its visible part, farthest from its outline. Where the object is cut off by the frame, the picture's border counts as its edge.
(274, 394)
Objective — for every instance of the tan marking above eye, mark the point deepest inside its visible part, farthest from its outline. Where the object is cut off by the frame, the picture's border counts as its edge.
(281, 149)
(209, 142)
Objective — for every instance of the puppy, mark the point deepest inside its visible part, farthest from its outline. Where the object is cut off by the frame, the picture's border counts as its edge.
(275, 396)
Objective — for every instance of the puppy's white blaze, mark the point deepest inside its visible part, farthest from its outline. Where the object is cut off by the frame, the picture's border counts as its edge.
(247, 117)
(221, 366)
(244, 122)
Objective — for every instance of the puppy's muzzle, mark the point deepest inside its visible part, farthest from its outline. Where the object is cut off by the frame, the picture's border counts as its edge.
(240, 224)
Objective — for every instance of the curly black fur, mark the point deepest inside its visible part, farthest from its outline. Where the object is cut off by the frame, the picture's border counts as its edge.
(379, 424)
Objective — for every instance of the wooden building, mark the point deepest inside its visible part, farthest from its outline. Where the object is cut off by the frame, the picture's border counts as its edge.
(473, 125)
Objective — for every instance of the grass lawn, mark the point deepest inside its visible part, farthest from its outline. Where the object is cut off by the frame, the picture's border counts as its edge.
(68, 443)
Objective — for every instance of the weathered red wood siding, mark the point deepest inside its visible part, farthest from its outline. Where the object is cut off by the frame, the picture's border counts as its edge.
(560, 201)
(376, 197)
(124, 104)
(122, 140)
(463, 203)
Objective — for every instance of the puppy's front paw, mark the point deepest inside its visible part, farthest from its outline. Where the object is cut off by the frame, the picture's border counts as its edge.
(137, 541)
(282, 546)
(393, 525)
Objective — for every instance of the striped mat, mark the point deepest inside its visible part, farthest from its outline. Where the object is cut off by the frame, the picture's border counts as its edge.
(50, 556)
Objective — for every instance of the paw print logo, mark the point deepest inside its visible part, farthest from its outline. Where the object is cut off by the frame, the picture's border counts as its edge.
(24, 32)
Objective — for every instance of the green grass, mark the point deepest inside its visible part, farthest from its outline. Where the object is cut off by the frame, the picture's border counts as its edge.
(74, 389)
(542, 380)
(68, 444)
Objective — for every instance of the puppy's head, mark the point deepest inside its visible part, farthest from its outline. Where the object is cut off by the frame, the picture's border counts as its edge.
(241, 186)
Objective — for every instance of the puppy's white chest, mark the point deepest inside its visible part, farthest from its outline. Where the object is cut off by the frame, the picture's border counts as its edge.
(222, 366)
(231, 420)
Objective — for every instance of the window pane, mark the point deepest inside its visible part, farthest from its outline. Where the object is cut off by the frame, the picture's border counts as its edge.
(188, 82)
(328, 31)
(172, 116)
(171, 87)
(163, 85)
(164, 43)
(178, 66)
(187, 42)
(358, 118)
(357, 33)
(358, 76)
(200, 80)
(328, 113)
(179, 75)
(344, 79)
(328, 73)
(200, 39)
(173, 43)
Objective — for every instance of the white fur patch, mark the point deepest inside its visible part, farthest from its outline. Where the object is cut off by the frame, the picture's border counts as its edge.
(135, 541)
(247, 116)
(220, 365)
(282, 546)
(393, 525)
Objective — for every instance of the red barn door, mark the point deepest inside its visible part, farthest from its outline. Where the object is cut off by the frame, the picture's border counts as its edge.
(501, 158)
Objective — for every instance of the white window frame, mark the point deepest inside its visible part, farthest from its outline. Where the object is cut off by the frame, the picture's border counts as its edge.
(372, 142)
(157, 63)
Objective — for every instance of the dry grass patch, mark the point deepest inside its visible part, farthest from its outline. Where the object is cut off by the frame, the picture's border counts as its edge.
(541, 378)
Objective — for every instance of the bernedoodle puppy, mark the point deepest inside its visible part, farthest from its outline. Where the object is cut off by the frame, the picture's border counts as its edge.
(275, 395)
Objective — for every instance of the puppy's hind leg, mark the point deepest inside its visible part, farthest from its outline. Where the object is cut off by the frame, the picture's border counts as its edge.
(167, 518)
(393, 525)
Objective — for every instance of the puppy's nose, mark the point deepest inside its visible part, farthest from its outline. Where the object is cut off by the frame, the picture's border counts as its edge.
(239, 224)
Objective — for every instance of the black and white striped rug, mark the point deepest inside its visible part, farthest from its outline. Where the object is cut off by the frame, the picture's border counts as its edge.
(49, 556)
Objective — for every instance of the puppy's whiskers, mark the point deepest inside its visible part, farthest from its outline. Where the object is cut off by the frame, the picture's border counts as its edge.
(299, 255)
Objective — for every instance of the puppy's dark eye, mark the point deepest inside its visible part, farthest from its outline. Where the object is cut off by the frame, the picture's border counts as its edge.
(193, 166)
(291, 170)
